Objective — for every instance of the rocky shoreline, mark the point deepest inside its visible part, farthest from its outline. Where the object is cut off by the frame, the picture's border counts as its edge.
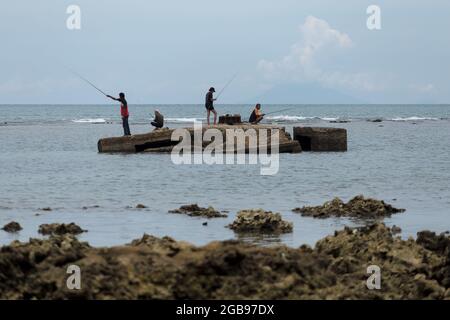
(162, 268)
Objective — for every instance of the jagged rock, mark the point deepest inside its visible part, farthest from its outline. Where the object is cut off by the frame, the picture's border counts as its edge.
(194, 210)
(440, 244)
(12, 227)
(37, 267)
(165, 245)
(155, 268)
(258, 220)
(358, 207)
(60, 229)
(396, 230)
(151, 240)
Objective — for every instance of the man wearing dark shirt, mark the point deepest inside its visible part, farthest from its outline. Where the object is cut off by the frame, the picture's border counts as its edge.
(123, 112)
(209, 105)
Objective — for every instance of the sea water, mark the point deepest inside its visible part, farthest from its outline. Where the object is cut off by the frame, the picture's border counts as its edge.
(49, 158)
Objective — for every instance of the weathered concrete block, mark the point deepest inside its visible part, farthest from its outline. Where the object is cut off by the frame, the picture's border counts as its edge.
(161, 140)
(230, 119)
(321, 139)
(138, 142)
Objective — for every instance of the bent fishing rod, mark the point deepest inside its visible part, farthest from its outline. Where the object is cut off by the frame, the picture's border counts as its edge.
(228, 83)
(279, 111)
(88, 82)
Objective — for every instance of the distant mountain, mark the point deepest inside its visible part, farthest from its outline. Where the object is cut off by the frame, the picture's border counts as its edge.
(304, 94)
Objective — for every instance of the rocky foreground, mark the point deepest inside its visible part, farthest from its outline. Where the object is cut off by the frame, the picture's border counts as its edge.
(154, 268)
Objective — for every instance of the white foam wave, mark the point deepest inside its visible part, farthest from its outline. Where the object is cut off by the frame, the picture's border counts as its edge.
(183, 120)
(288, 118)
(414, 119)
(95, 121)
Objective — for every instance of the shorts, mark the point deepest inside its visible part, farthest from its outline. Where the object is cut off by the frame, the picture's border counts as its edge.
(210, 108)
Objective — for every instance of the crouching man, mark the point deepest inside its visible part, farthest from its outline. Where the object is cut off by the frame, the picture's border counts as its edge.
(158, 122)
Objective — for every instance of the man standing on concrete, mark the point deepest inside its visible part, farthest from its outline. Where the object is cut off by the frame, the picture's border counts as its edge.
(209, 105)
(123, 112)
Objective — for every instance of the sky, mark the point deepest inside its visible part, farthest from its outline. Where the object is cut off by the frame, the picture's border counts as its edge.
(172, 51)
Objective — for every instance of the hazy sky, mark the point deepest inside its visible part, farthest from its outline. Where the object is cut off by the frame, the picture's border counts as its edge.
(172, 51)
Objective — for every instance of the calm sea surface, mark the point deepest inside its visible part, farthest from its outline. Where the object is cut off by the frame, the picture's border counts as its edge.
(49, 158)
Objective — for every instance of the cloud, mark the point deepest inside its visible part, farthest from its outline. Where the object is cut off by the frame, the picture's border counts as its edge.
(424, 88)
(18, 89)
(308, 59)
(18, 85)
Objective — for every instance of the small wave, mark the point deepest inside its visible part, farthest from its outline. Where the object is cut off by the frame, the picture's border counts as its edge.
(94, 121)
(414, 119)
(287, 118)
(183, 120)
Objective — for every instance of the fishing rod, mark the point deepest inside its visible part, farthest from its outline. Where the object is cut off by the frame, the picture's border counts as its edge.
(279, 111)
(228, 83)
(87, 81)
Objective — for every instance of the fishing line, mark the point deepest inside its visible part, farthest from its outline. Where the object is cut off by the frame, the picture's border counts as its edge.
(228, 83)
(279, 111)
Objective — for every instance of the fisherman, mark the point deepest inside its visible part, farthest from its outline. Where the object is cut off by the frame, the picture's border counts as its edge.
(123, 112)
(209, 105)
(256, 115)
(158, 122)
